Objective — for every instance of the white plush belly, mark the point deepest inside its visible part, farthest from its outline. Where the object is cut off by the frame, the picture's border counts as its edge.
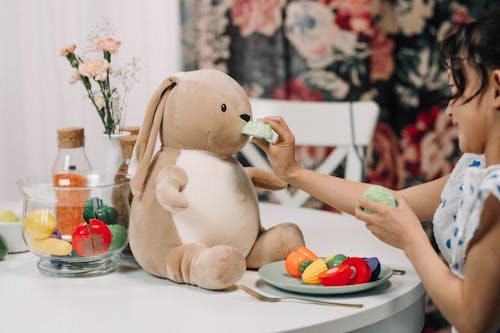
(223, 206)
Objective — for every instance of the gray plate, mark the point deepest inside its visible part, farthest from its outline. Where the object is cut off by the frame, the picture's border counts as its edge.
(276, 275)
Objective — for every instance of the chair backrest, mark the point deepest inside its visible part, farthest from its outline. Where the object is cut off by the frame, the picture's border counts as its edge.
(347, 126)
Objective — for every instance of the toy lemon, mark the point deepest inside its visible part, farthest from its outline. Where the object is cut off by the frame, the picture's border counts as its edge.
(39, 224)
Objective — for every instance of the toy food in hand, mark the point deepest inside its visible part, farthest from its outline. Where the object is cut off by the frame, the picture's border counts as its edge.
(380, 195)
(295, 259)
(258, 129)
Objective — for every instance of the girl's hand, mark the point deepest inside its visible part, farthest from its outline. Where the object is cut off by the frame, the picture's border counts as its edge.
(281, 154)
(396, 226)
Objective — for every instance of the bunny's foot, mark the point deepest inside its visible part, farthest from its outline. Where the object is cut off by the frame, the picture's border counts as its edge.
(275, 244)
(215, 268)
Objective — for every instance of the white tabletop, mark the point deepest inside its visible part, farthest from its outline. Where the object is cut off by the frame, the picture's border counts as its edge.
(130, 300)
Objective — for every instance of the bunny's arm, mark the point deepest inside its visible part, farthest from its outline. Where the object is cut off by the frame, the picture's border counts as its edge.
(170, 182)
(265, 179)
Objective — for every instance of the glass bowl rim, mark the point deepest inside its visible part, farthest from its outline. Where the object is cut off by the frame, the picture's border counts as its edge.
(45, 181)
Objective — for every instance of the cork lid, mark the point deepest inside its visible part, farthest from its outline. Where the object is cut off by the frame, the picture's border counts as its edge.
(70, 137)
(127, 145)
(134, 130)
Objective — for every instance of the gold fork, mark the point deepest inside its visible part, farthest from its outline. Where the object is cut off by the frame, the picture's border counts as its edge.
(261, 297)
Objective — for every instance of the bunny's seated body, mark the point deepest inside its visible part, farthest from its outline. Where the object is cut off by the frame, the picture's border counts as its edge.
(195, 215)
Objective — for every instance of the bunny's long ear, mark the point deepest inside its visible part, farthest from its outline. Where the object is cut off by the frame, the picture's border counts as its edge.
(146, 142)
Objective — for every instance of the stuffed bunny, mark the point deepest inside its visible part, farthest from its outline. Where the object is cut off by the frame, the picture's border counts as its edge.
(195, 215)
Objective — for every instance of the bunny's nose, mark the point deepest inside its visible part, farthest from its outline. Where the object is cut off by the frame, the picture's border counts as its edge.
(245, 117)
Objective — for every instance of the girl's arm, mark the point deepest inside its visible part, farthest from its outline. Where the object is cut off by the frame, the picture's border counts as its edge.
(344, 194)
(471, 304)
(337, 192)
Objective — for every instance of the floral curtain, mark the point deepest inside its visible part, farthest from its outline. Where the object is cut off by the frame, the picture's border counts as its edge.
(342, 50)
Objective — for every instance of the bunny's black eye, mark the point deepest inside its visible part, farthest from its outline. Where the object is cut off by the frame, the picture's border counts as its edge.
(223, 107)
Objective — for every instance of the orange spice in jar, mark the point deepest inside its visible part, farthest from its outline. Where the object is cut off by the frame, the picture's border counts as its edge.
(71, 158)
(70, 203)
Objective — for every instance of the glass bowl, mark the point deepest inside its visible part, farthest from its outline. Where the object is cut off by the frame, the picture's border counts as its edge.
(76, 223)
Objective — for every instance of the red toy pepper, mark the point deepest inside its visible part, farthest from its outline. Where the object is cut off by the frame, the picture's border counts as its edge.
(91, 239)
(336, 276)
(360, 269)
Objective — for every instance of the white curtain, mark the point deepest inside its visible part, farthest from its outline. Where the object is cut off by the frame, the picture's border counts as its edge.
(35, 96)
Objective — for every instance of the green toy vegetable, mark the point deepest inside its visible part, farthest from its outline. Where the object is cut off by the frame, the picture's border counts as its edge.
(379, 194)
(96, 209)
(303, 265)
(338, 259)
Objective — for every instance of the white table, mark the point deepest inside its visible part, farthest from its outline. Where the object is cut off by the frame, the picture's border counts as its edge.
(130, 300)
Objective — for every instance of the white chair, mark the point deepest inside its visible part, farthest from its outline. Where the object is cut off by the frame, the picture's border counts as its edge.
(347, 126)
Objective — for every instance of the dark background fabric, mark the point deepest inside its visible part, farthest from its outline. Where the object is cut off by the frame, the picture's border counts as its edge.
(343, 50)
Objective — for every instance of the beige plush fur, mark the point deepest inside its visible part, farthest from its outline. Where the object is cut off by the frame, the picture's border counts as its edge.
(195, 215)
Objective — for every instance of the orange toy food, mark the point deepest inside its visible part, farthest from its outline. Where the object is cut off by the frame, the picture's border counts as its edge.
(295, 258)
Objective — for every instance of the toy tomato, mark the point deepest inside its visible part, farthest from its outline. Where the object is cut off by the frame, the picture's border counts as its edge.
(336, 276)
(295, 258)
(360, 268)
(91, 239)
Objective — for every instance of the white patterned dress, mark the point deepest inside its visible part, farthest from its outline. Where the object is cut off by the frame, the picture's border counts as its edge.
(457, 218)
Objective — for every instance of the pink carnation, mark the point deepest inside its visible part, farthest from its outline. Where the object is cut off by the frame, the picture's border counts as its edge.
(94, 68)
(67, 50)
(110, 44)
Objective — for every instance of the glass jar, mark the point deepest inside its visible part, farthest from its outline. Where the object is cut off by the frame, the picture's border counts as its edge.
(71, 158)
(71, 154)
(84, 241)
(122, 197)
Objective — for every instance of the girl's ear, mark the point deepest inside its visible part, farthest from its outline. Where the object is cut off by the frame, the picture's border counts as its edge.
(496, 88)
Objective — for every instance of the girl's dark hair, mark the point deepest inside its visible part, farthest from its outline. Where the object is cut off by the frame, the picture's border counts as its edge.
(478, 43)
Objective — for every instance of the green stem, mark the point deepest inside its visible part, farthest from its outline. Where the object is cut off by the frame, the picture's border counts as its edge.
(109, 123)
(88, 88)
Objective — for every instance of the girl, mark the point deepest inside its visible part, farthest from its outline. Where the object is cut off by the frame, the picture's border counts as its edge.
(465, 208)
